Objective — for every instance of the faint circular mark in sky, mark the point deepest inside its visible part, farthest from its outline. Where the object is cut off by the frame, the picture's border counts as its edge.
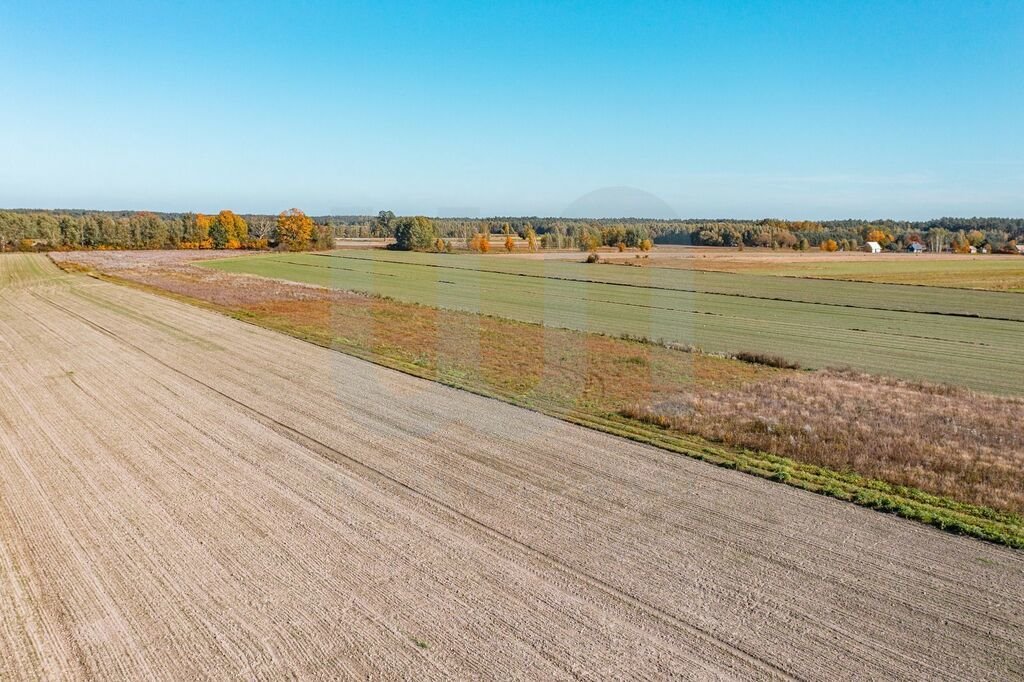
(619, 202)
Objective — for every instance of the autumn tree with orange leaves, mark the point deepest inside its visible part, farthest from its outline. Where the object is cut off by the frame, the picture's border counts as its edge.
(235, 229)
(294, 229)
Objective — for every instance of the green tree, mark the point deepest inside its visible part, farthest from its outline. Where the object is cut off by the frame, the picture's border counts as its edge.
(414, 234)
(383, 224)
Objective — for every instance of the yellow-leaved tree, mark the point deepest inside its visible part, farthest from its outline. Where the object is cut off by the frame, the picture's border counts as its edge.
(531, 238)
(234, 229)
(294, 229)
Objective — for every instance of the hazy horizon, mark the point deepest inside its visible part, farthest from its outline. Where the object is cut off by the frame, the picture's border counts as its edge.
(499, 216)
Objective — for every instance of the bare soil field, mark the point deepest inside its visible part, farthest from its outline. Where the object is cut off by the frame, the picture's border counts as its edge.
(183, 495)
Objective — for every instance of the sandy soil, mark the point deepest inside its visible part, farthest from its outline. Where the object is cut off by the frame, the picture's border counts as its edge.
(183, 495)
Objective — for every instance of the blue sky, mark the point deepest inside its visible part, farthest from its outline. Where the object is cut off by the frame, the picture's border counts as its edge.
(745, 109)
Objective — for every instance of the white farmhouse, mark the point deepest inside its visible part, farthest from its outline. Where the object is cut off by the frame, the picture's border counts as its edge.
(873, 247)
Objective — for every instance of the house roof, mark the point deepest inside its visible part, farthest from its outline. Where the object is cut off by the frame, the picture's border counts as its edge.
(875, 245)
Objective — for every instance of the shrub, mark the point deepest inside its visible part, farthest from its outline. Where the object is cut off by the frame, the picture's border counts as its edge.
(593, 258)
(767, 359)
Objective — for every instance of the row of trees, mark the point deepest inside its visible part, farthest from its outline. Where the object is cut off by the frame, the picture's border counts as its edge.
(419, 233)
(52, 230)
(996, 234)
(146, 230)
(990, 233)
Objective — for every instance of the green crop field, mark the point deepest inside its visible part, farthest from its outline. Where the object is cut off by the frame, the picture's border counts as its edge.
(965, 337)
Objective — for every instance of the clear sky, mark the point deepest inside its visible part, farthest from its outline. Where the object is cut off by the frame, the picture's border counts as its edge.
(742, 109)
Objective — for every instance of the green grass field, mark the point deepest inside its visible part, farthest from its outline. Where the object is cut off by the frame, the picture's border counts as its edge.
(914, 332)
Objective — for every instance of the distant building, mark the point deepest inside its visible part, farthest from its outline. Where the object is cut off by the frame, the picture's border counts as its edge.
(873, 247)
(915, 247)
(974, 249)
(1020, 248)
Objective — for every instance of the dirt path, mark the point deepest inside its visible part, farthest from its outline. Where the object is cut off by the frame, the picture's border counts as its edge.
(183, 495)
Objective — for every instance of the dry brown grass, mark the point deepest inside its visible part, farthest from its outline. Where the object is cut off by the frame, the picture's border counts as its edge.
(943, 440)
(513, 359)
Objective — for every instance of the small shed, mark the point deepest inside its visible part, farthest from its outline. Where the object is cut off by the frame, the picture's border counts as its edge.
(1020, 248)
(915, 247)
(873, 247)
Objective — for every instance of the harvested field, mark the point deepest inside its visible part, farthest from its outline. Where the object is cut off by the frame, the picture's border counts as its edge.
(829, 426)
(965, 337)
(989, 272)
(183, 495)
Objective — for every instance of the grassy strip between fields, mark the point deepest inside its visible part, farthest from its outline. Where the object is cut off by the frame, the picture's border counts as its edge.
(941, 512)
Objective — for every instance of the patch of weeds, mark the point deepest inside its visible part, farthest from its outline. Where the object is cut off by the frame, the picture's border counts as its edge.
(767, 359)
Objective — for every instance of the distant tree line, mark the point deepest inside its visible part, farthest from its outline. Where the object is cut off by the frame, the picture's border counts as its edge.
(956, 234)
(24, 230)
(73, 229)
